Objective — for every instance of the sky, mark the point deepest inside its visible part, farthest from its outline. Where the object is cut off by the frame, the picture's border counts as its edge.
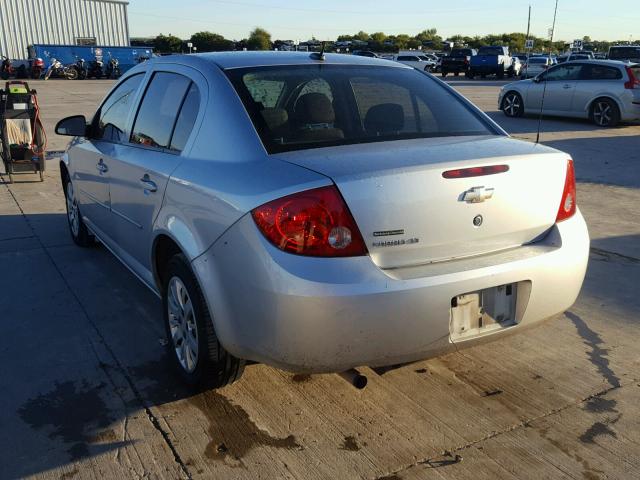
(326, 19)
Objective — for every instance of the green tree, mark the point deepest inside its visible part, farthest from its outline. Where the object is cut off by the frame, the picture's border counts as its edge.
(210, 42)
(363, 36)
(259, 39)
(167, 44)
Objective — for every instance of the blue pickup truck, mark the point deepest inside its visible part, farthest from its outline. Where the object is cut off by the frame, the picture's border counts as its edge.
(492, 61)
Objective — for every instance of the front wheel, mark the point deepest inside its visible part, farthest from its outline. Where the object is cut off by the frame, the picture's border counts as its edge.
(512, 105)
(605, 113)
(79, 231)
(193, 345)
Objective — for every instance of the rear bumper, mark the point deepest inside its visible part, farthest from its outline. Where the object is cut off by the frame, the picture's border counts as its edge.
(486, 69)
(325, 315)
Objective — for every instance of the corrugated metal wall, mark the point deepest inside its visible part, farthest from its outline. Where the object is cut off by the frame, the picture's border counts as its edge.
(25, 22)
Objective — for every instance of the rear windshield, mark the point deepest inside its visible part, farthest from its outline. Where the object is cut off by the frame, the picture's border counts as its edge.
(625, 53)
(311, 106)
(491, 51)
(461, 52)
(539, 60)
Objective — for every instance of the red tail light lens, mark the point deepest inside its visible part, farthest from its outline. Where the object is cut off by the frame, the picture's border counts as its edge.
(633, 81)
(568, 202)
(475, 171)
(314, 223)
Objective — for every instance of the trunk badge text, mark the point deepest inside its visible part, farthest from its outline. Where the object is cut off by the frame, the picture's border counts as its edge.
(395, 243)
(392, 243)
(477, 195)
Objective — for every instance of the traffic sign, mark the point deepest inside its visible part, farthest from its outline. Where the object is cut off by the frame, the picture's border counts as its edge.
(577, 44)
(528, 44)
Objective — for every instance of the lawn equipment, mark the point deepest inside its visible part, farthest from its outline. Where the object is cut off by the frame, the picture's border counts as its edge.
(22, 136)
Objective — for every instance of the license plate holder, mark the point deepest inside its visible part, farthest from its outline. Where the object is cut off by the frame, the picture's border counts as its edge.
(478, 313)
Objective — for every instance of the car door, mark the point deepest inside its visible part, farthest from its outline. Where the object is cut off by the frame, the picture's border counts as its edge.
(91, 157)
(558, 85)
(595, 80)
(410, 60)
(141, 168)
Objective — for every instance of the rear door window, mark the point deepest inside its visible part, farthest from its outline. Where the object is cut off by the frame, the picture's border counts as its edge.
(600, 72)
(111, 118)
(159, 109)
(186, 119)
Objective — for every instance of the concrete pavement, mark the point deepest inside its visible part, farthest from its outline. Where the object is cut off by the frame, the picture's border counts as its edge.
(86, 393)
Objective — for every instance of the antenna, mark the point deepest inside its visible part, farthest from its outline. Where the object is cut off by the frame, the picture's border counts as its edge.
(319, 55)
(544, 89)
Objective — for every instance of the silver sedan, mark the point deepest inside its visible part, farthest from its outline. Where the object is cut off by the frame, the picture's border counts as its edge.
(320, 212)
(604, 91)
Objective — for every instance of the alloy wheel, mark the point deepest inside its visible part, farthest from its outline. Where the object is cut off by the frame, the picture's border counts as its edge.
(512, 104)
(182, 324)
(602, 113)
(73, 213)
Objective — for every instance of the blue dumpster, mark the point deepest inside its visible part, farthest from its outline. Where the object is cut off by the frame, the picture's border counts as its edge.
(127, 56)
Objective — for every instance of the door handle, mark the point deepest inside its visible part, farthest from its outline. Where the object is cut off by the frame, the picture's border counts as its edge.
(102, 167)
(148, 184)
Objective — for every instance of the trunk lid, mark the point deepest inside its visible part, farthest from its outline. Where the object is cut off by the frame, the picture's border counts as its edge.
(409, 214)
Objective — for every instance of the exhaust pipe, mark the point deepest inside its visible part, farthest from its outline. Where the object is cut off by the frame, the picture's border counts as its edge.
(355, 378)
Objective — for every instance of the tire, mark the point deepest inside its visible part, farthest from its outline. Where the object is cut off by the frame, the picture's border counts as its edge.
(456, 74)
(500, 74)
(36, 73)
(71, 73)
(444, 73)
(79, 231)
(190, 332)
(512, 105)
(605, 113)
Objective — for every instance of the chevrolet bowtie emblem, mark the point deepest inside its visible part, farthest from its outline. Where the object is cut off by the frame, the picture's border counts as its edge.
(477, 194)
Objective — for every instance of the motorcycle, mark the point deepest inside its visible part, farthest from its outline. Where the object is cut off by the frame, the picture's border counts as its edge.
(57, 69)
(37, 67)
(96, 69)
(7, 69)
(82, 68)
(113, 68)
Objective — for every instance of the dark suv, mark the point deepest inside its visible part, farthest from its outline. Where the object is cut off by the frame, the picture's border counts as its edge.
(457, 61)
(625, 53)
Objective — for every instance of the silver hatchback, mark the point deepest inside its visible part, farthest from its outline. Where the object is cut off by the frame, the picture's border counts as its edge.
(320, 212)
(604, 91)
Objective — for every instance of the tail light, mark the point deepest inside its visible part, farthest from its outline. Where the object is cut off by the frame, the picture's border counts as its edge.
(568, 201)
(633, 81)
(315, 223)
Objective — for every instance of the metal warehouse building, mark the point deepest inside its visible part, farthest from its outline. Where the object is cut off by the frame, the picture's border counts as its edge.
(62, 22)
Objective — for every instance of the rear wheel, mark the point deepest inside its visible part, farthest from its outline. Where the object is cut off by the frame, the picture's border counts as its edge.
(512, 105)
(193, 345)
(605, 113)
(71, 73)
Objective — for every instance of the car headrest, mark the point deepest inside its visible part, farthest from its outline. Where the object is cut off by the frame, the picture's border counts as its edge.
(384, 118)
(314, 108)
(275, 118)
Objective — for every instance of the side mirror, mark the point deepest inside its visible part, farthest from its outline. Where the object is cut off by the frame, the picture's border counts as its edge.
(75, 126)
